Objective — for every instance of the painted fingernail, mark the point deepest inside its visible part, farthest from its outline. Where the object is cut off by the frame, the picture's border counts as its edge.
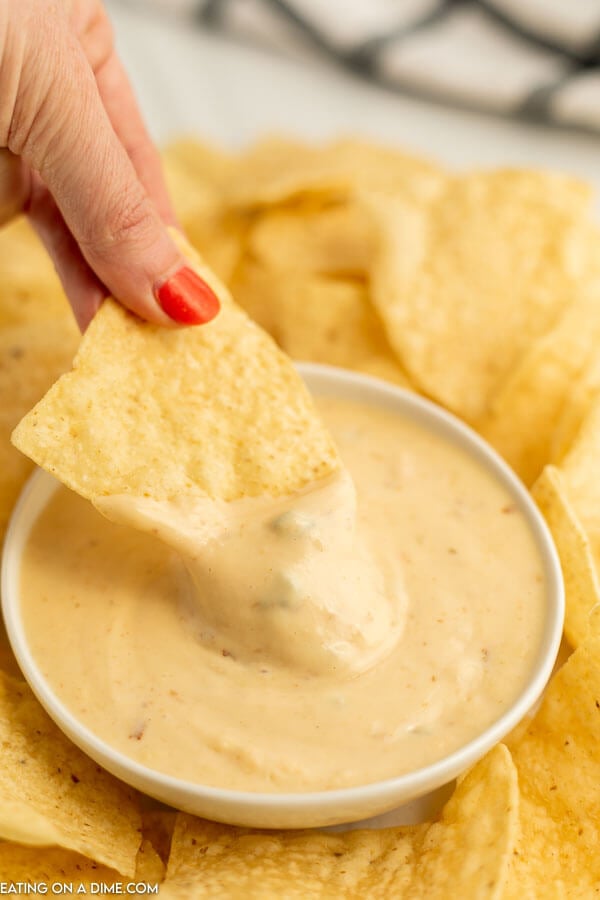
(187, 299)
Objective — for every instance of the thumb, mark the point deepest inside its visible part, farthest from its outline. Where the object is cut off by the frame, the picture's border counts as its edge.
(61, 130)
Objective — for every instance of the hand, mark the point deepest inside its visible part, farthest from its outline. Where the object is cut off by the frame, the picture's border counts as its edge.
(78, 160)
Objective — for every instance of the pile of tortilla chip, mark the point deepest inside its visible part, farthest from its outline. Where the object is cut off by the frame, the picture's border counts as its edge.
(479, 290)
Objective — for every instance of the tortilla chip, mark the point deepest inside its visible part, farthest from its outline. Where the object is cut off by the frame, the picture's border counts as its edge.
(148, 865)
(318, 319)
(570, 499)
(584, 394)
(580, 471)
(580, 478)
(35, 865)
(522, 419)
(582, 587)
(468, 853)
(157, 827)
(8, 662)
(32, 356)
(194, 175)
(276, 170)
(192, 197)
(52, 865)
(207, 163)
(335, 239)
(213, 411)
(331, 321)
(220, 241)
(255, 289)
(20, 823)
(559, 779)
(465, 282)
(217, 861)
(71, 800)
(30, 290)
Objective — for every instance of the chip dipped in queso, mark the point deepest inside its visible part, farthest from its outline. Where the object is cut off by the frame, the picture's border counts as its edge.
(254, 611)
(231, 670)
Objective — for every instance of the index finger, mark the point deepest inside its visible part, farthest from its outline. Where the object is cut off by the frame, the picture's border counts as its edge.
(123, 111)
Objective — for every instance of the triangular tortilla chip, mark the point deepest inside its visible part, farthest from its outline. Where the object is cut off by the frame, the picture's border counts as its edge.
(215, 410)
(30, 290)
(71, 801)
(559, 779)
(318, 319)
(279, 169)
(466, 281)
(54, 866)
(32, 357)
(466, 854)
(522, 420)
(582, 587)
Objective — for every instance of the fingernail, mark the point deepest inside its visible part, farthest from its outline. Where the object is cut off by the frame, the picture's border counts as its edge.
(187, 299)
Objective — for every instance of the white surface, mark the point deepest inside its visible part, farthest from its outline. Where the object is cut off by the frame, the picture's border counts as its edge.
(325, 808)
(188, 80)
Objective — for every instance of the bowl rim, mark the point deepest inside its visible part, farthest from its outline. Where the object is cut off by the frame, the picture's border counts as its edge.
(411, 783)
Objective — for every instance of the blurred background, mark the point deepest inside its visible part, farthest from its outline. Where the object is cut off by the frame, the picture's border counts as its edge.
(471, 83)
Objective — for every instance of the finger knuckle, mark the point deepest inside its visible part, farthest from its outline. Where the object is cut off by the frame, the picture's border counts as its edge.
(127, 220)
(98, 40)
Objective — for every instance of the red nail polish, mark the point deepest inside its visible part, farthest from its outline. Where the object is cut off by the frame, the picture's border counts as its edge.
(187, 299)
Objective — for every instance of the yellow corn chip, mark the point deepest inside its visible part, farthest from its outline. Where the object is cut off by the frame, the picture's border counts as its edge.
(217, 861)
(192, 197)
(207, 163)
(583, 395)
(35, 865)
(580, 471)
(255, 289)
(468, 853)
(71, 800)
(157, 827)
(220, 241)
(580, 482)
(522, 420)
(195, 176)
(54, 866)
(569, 497)
(582, 588)
(30, 290)
(32, 356)
(465, 282)
(336, 239)
(278, 169)
(214, 410)
(20, 823)
(320, 319)
(149, 866)
(8, 662)
(332, 321)
(559, 780)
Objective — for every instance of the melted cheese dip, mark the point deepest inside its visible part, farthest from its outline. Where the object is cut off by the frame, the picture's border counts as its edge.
(281, 688)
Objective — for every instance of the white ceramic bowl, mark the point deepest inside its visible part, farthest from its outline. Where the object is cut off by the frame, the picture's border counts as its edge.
(324, 807)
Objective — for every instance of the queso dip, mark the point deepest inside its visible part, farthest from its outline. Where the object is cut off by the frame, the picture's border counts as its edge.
(259, 661)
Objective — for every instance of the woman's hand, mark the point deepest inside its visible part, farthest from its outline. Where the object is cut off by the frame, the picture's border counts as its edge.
(78, 160)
